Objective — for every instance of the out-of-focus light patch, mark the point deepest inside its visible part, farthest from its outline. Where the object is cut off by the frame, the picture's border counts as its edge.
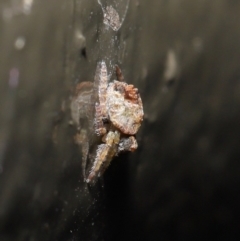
(80, 37)
(7, 14)
(171, 66)
(197, 44)
(13, 78)
(20, 43)
(17, 7)
(27, 6)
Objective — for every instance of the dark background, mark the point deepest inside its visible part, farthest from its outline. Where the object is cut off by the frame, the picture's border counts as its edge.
(183, 181)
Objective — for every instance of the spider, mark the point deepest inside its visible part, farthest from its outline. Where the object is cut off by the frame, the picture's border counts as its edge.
(114, 112)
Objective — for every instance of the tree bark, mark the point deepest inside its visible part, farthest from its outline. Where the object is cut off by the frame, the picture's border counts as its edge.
(183, 180)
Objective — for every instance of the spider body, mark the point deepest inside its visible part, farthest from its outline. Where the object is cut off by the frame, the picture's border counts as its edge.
(115, 114)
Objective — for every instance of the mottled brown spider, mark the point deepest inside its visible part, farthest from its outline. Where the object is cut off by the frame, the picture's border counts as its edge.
(114, 112)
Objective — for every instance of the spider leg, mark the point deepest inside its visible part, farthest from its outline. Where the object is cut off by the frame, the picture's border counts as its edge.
(104, 155)
(85, 149)
(112, 140)
(98, 121)
(82, 139)
(102, 152)
(119, 74)
(100, 87)
(127, 144)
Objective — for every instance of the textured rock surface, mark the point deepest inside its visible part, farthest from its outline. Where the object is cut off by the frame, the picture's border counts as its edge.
(183, 181)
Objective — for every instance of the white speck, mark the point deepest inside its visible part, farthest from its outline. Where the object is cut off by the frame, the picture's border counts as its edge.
(20, 43)
(70, 231)
(92, 224)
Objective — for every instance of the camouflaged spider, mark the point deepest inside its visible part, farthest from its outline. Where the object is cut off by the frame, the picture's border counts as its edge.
(115, 114)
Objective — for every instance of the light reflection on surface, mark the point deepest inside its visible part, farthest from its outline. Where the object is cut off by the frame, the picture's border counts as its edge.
(17, 8)
(13, 78)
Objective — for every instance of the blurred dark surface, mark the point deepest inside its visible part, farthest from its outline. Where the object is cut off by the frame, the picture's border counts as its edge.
(183, 181)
